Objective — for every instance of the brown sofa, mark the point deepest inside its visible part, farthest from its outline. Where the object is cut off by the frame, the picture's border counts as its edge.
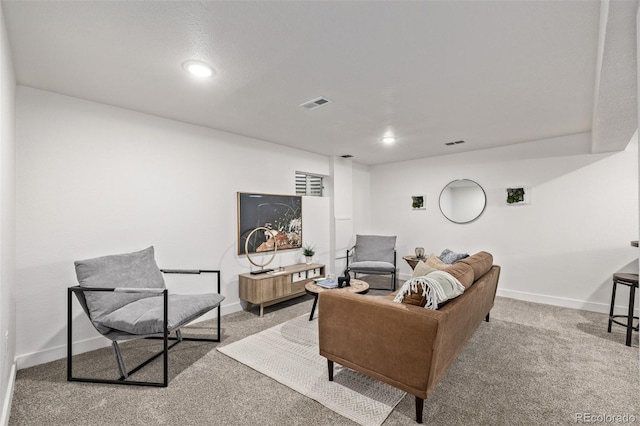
(404, 345)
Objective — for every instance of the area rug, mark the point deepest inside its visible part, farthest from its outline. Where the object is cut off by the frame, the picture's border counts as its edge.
(289, 354)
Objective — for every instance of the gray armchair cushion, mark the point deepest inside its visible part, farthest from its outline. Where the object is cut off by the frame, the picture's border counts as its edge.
(372, 266)
(374, 248)
(130, 270)
(146, 316)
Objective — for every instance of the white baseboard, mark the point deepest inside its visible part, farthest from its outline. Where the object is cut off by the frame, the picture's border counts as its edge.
(8, 397)
(554, 300)
(559, 301)
(97, 342)
(58, 352)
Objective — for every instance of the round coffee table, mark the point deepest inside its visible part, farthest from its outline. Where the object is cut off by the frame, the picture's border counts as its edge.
(357, 286)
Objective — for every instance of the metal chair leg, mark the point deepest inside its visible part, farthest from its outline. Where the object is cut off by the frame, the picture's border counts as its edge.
(123, 370)
(613, 301)
(632, 297)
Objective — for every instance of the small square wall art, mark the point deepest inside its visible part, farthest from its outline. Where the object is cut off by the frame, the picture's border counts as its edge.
(518, 195)
(417, 202)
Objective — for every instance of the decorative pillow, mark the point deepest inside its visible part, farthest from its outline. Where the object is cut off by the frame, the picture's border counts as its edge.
(422, 269)
(130, 270)
(430, 290)
(448, 256)
(435, 262)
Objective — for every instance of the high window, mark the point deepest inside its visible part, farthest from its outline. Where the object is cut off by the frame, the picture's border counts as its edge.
(308, 184)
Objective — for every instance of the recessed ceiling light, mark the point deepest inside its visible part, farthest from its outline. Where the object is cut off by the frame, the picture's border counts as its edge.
(388, 139)
(198, 68)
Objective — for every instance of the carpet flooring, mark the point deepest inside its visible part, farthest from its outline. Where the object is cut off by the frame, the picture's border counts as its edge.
(289, 353)
(531, 364)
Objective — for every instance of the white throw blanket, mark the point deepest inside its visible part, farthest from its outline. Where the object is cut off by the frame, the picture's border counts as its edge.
(437, 287)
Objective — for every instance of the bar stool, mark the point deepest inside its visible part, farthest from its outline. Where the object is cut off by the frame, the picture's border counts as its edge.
(630, 280)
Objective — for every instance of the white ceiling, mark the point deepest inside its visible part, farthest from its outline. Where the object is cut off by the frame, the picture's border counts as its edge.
(490, 73)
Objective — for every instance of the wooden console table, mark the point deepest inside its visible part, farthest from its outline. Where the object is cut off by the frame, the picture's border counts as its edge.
(277, 286)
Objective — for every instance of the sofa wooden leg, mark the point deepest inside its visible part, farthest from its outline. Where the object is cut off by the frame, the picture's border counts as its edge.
(419, 407)
(487, 317)
(330, 365)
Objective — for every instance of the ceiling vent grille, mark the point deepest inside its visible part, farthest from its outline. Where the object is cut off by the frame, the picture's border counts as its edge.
(315, 103)
(453, 143)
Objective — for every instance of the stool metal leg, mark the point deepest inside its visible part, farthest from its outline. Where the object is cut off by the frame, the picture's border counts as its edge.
(613, 301)
(632, 298)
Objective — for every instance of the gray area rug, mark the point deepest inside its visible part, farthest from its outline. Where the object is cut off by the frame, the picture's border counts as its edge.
(531, 364)
(289, 354)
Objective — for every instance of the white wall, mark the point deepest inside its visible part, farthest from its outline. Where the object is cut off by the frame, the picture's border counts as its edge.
(342, 205)
(7, 223)
(361, 190)
(95, 180)
(560, 249)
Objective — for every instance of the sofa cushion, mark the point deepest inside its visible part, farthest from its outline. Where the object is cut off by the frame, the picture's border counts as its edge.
(481, 263)
(461, 271)
(146, 316)
(430, 290)
(448, 256)
(129, 270)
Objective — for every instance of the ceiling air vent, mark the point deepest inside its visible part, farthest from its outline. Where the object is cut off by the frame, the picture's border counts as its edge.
(453, 143)
(315, 103)
(347, 156)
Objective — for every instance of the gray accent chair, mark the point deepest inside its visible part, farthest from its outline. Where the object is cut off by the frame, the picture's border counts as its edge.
(373, 254)
(125, 298)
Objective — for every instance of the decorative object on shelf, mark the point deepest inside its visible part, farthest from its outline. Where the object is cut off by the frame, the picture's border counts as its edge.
(518, 195)
(280, 214)
(249, 239)
(308, 251)
(420, 252)
(417, 202)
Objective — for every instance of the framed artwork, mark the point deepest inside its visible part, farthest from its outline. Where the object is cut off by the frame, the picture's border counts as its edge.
(518, 195)
(281, 215)
(417, 202)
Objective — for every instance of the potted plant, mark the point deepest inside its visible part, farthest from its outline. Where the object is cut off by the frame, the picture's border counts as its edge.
(308, 251)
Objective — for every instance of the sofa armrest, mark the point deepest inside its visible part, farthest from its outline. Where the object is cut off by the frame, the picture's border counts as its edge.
(389, 341)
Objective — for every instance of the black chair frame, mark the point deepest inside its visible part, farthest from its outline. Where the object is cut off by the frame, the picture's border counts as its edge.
(393, 274)
(165, 336)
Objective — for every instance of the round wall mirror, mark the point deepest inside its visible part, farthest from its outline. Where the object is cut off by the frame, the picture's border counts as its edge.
(462, 201)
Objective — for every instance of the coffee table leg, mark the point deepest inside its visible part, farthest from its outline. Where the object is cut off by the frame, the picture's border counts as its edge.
(313, 308)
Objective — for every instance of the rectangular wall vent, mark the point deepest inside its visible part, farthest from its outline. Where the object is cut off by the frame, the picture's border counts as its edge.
(315, 103)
